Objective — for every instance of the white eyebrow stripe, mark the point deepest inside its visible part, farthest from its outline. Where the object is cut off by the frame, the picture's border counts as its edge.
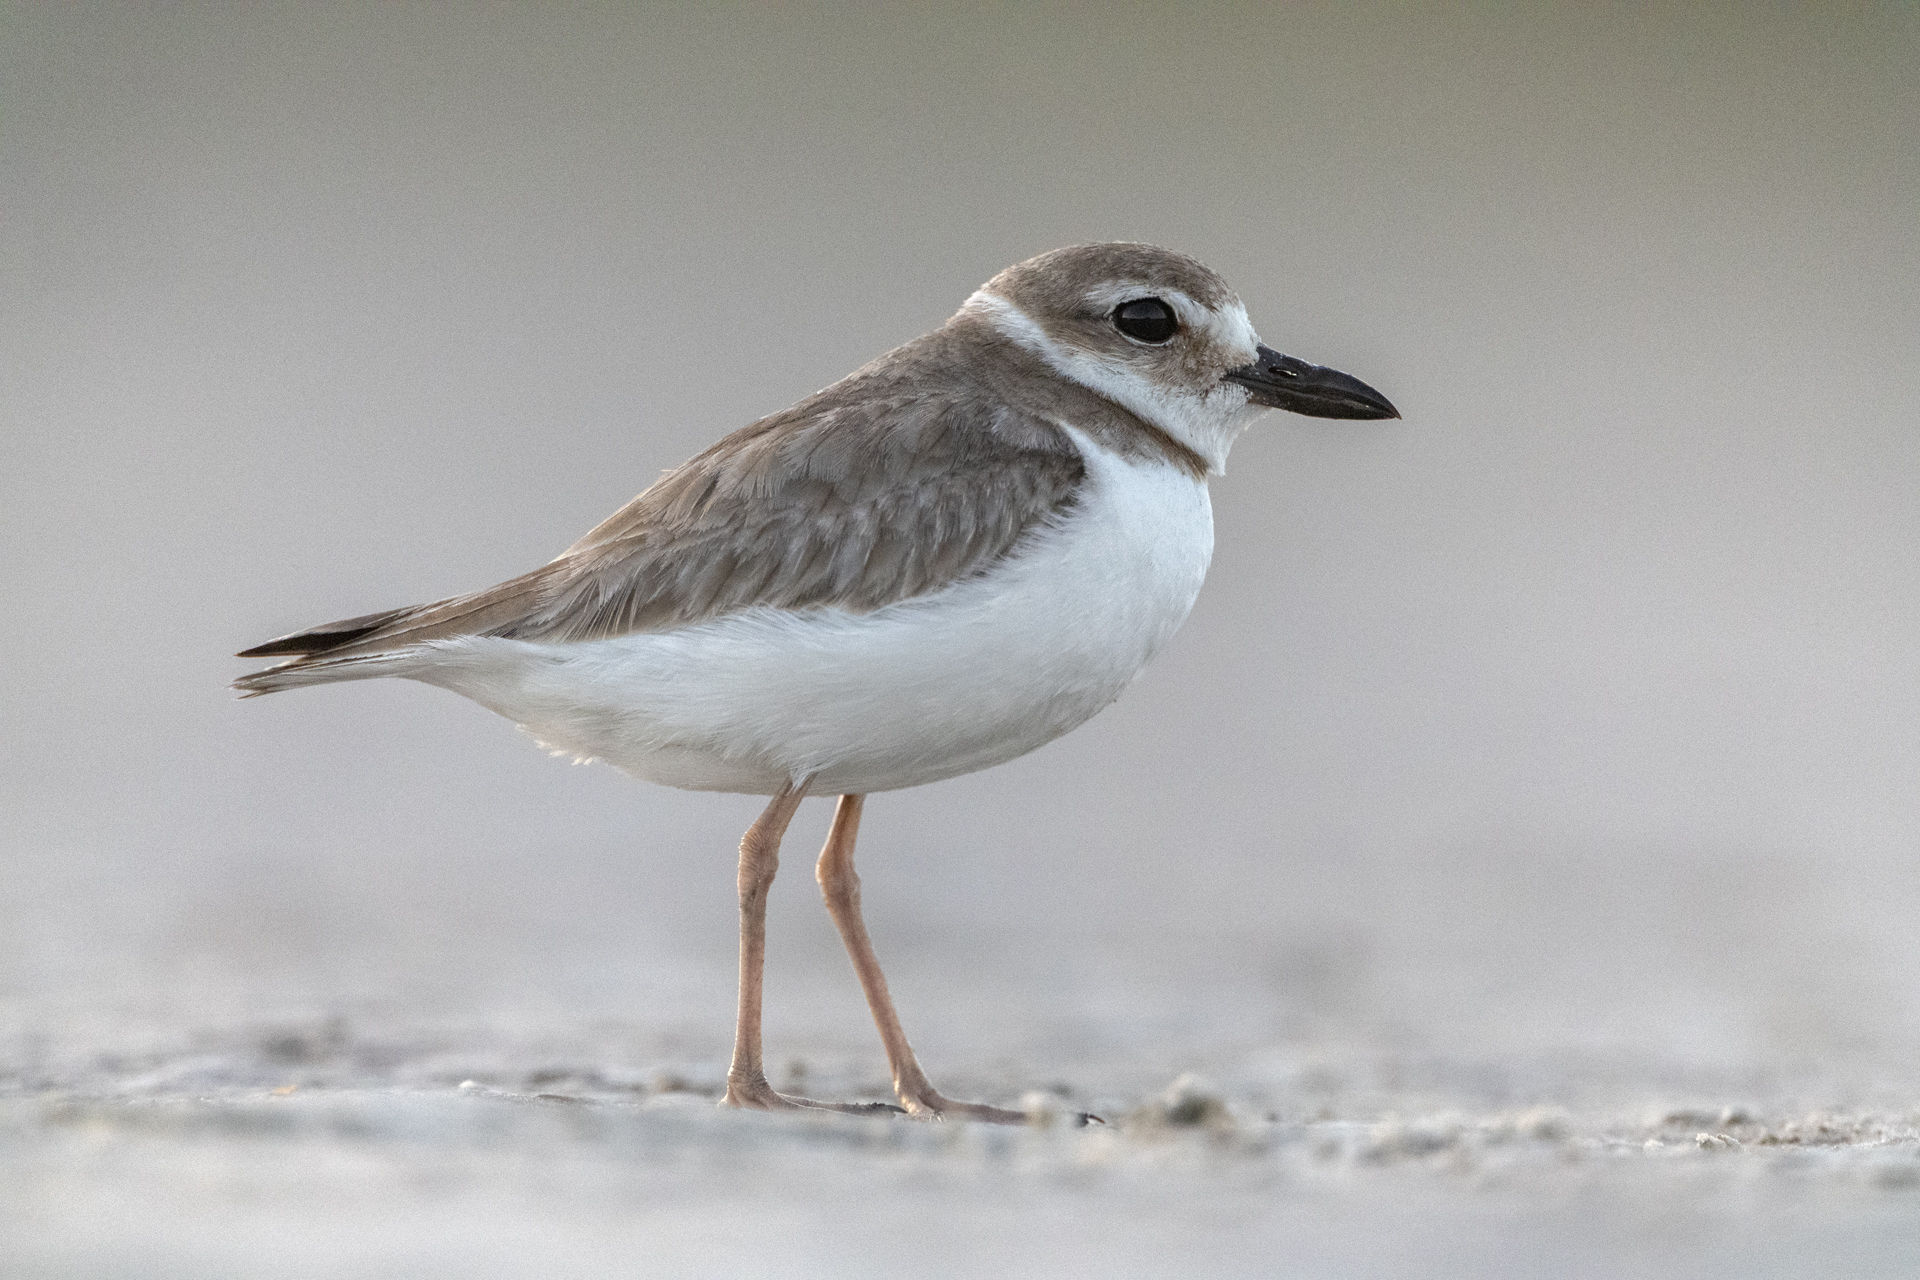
(1105, 297)
(1207, 424)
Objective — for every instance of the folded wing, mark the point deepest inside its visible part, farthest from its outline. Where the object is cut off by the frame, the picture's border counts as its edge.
(846, 502)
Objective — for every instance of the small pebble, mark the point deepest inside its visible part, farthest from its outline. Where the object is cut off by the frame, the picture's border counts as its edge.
(1193, 1101)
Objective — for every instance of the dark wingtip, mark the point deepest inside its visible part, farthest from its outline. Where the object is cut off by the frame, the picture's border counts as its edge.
(320, 639)
(303, 643)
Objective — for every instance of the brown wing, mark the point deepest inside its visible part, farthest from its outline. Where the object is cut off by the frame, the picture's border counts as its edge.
(848, 500)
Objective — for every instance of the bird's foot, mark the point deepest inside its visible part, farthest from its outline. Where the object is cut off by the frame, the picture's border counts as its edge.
(929, 1104)
(922, 1104)
(758, 1095)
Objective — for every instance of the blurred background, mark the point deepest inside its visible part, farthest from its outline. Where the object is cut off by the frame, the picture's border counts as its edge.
(1578, 711)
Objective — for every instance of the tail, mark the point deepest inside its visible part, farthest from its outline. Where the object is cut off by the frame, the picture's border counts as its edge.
(309, 661)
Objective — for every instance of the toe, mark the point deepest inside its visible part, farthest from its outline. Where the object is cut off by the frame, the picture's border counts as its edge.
(931, 1106)
(847, 1108)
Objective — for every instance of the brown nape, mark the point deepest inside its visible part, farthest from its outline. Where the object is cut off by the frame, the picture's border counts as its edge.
(322, 638)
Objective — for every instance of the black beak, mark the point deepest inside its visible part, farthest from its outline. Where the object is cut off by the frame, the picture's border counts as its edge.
(1281, 382)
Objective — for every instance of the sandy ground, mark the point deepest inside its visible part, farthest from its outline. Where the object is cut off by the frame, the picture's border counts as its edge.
(415, 1146)
(1517, 843)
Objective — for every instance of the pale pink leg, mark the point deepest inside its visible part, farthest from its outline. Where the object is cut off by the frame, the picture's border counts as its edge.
(759, 859)
(841, 887)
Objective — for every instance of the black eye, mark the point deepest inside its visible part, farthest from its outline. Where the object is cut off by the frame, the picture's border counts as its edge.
(1146, 320)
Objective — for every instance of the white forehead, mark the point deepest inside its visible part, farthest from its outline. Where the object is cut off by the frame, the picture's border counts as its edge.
(1231, 331)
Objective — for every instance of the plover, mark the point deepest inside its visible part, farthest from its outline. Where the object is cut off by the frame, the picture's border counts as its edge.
(946, 559)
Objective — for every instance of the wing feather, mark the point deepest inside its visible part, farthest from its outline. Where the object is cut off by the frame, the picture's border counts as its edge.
(844, 501)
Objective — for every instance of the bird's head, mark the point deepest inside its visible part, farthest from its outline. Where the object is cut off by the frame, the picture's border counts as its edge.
(1163, 336)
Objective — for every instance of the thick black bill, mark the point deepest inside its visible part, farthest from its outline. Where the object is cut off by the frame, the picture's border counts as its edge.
(1281, 382)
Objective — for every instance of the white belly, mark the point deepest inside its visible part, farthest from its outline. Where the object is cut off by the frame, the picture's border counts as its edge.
(930, 688)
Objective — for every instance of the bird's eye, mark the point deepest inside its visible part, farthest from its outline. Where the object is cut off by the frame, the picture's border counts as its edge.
(1146, 320)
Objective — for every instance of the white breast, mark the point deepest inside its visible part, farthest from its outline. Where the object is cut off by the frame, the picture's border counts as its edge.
(926, 689)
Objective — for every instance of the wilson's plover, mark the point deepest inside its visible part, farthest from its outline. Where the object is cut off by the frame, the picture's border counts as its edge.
(949, 557)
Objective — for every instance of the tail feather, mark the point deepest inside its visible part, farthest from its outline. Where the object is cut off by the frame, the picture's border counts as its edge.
(306, 671)
(308, 655)
(364, 647)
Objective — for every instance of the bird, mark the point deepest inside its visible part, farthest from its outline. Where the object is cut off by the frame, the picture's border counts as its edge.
(955, 554)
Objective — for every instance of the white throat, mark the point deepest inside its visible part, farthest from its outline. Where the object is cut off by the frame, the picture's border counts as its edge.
(1207, 423)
